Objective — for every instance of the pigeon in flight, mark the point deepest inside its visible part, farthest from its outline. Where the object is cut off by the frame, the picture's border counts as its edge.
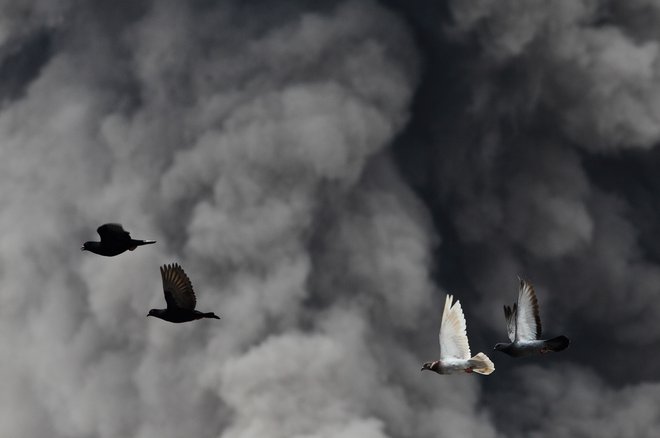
(523, 325)
(114, 241)
(454, 348)
(179, 296)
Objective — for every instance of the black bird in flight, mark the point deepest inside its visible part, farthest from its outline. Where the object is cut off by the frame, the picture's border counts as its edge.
(179, 296)
(114, 241)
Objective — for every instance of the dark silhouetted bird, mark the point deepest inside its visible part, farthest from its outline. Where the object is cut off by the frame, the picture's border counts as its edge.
(454, 347)
(179, 296)
(523, 325)
(114, 241)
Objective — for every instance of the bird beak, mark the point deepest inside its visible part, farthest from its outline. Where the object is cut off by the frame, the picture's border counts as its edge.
(82, 248)
(422, 369)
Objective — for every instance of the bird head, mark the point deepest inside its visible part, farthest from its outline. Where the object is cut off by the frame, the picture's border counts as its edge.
(500, 346)
(431, 366)
(84, 246)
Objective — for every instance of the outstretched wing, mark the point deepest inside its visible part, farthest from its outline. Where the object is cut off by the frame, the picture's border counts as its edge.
(528, 321)
(177, 287)
(510, 316)
(453, 336)
(113, 232)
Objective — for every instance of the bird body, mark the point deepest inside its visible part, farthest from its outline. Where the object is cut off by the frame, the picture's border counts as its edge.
(455, 356)
(523, 323)
(533, 348)
(179, 315)
(480, 364)
(179, 296)
(114, 241)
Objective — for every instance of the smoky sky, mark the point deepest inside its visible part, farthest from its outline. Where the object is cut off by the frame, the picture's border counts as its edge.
(326, 172)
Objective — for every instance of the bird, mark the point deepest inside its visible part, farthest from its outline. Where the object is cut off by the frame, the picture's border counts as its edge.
(454, 348)
(114, 241)
(523, 325)
(179, 296)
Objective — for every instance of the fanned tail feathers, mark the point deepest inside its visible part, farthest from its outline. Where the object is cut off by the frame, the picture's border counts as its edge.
(481, 364)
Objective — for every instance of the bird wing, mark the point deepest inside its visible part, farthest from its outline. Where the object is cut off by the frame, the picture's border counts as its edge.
(177, 287)
(510, 316)
(453, 335)
(112, 232)
(169, 299)
(528, 321)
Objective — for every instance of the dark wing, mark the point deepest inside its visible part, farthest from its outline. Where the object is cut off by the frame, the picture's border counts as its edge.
(177, 287)
(528, 321)
(169, 299)
(510, 316)
(113, 232)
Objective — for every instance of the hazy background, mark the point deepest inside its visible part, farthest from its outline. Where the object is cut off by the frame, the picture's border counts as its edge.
(325, 172)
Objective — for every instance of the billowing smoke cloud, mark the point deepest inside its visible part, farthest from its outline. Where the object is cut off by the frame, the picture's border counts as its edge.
(324, 174)
(595, 77)
(253, 146)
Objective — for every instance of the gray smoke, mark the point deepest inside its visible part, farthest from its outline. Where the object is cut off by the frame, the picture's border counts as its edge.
(581, 83)
(543, 167)
(325, 174)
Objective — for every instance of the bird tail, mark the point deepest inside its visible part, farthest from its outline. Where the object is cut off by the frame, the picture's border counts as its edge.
(210, 315)
(137, 243)
(482, 364)
(557, 344)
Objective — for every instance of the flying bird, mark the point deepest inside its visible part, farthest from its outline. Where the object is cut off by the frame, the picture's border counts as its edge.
(179, 296)
(523, 325)
(114, 241)
(454, 348)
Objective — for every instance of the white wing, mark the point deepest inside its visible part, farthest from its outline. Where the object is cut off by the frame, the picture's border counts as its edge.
(528, 321)
(453, 336)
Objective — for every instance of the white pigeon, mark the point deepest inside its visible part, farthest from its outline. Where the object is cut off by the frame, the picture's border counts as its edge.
(454, 348)
(523, 325)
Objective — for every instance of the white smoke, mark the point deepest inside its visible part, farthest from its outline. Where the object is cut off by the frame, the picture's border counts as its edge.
(598, 79)
(253, 147)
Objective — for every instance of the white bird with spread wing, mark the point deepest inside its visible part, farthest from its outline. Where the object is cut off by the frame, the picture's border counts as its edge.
(454, 347)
